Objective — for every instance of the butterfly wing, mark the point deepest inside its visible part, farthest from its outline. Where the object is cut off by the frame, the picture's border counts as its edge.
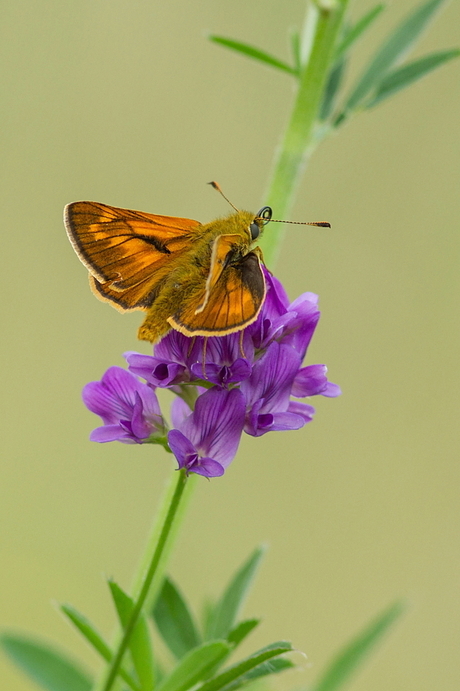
(234, 294)
(128, 253)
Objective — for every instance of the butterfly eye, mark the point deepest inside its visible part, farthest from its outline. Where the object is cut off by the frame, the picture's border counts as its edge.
(255, 231)
(265, 213)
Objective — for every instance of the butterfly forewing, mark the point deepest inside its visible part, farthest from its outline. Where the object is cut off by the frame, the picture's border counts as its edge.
(234, 301)
(128, 253)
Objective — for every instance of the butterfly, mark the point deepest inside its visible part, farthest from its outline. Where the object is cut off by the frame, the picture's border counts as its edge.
(200, 279)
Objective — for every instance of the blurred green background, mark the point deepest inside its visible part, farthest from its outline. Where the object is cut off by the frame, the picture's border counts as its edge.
(127, 103)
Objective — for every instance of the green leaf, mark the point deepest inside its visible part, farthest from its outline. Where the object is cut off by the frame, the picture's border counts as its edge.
(252, 52)
(354, 32)
(95, 639)
(227, 608)
(242, 630)
(331, 89)
(195, 666)
(278, 664)
(392, 51)
(140, 644)
(47, 667)
(207, 613)
(237, 672)
(354, 653)
(174, 620)
(295, 50)
(402, 77)
(87, 629)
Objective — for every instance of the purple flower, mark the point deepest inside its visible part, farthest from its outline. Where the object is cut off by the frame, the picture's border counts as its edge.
(279, 320)
(225, 385)
(171, 361)
(312, 380)
(267, 393)
(228, 359)
(129, 409)
(178, 359)
(207, 440)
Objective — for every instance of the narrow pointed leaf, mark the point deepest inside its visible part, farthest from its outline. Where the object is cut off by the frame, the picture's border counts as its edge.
(174, 621)
(354, 32)
(207, 614)
(295, 50)
(49, 668)
(402, 77)
(354, 653)
(278, 664)
(140, 644)
(242, 630)
(252, 52)
(227, 608)
(93, 637)
(332, 86)
(195, 666)
(238, 671)
(393, 50)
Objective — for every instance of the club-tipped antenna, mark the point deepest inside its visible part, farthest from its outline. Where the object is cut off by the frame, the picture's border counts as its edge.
(320, 224)
(217, 187)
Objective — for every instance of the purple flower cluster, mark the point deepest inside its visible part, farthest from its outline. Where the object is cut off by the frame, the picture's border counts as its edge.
(225, 385)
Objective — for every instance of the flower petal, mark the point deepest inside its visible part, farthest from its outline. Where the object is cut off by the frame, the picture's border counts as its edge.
(331, 390)
(272, 377)
(277, 301)
(283, 422)
(179, 411)
(161, 373)
(310, 381)
(181, 447)
(140, 428)
(303, 409)
(207, 467)
(216, 424)
(112, 398)
(175, 347)
(301, 330)
(222, 375)
(110, 433)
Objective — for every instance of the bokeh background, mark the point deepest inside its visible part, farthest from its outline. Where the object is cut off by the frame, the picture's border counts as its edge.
(126, 102)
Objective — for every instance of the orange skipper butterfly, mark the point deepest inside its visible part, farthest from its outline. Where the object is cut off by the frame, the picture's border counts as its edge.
(200, 279)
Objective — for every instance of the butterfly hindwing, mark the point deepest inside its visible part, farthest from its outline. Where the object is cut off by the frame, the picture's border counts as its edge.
(234, 301)
(223, 248)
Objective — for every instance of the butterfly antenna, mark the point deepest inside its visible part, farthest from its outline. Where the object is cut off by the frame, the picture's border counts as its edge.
(320, 224)
(217, 187)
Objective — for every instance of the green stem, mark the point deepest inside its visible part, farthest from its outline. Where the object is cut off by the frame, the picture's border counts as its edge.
(159, 544)
(154, 537)
(323, 24)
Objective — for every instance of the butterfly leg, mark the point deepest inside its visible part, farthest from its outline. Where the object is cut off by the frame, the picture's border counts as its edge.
(205, 345)
(243, 355)
(192, 343)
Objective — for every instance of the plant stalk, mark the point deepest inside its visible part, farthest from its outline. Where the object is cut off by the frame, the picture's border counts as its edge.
(150, 573)
(321, 28)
